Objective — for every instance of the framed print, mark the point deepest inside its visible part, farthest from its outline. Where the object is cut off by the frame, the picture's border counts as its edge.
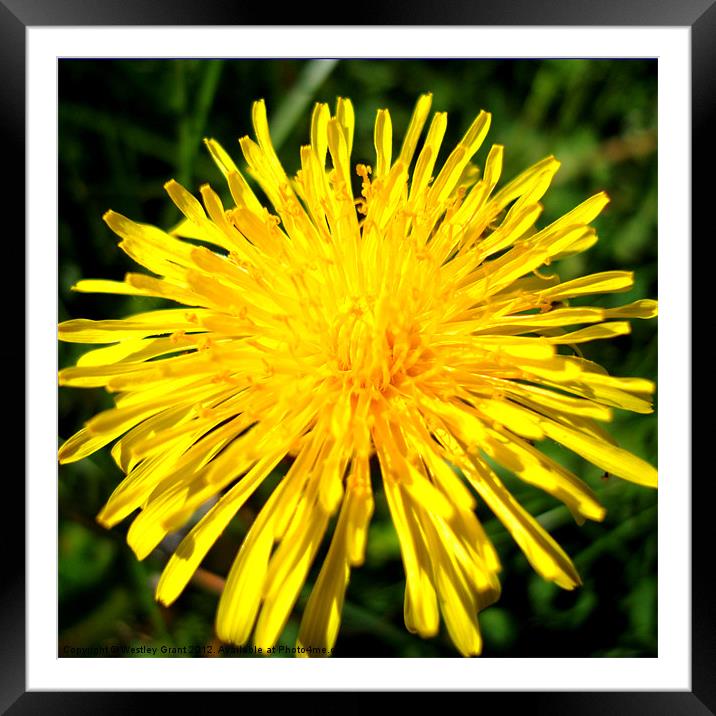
(381, 380)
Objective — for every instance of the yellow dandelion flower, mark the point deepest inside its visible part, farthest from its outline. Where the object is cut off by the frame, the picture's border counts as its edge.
(409, 327)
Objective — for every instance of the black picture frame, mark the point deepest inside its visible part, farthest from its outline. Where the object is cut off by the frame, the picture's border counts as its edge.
(699, 15)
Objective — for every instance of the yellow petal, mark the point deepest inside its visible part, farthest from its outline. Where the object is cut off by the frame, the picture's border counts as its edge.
(421, 607)
(241, 597)
(605, 282)
(383, 139)
(193, 548)
(417, 122)
(346, 116)
(319, 131)
(644, 308)
(612, 459)
(458, 603)
(544, 554)
(428, 155)
(592, 333)
(106, 286)
(287, 573)
(322, 615)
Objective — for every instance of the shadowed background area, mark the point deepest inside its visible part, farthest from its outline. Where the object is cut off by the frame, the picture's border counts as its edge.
(126, 127)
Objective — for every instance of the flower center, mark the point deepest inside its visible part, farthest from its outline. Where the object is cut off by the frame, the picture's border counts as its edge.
(375, 345)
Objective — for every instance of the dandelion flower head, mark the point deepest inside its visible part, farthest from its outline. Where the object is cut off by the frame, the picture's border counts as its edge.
(404, 339)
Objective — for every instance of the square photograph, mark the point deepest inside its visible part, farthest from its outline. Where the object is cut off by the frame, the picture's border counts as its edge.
(357, 358)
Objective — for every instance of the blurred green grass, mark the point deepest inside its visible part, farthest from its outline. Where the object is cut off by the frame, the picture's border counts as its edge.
(127, 126)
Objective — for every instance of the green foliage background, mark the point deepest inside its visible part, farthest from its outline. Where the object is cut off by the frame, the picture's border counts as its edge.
(126, 127)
